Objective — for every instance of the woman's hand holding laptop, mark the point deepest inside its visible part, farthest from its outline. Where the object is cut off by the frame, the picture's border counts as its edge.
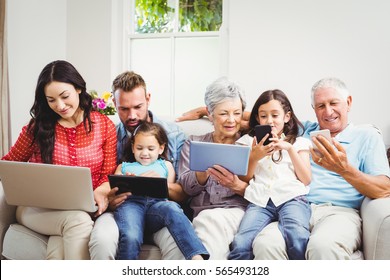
(101, 198)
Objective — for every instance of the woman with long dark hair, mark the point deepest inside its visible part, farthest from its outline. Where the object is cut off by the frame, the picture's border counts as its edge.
(65, 130)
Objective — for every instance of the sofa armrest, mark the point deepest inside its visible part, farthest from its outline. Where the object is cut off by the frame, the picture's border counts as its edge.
(375, 214)
(7, 216)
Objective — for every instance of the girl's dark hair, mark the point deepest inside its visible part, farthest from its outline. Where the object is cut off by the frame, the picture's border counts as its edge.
(290, 129)
(44, 119)
(154, 129)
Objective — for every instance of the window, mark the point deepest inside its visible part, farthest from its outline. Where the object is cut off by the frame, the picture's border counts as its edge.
(177, 47)
(177, 16)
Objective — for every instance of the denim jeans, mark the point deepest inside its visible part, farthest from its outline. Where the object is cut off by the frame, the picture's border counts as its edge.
(294, 218)
(145, 214)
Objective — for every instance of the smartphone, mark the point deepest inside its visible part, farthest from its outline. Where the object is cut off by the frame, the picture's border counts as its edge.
(323, 132)
(261, 131)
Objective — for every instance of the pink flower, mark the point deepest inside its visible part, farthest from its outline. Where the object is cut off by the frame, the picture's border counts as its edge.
(101, 104)
(94, 103)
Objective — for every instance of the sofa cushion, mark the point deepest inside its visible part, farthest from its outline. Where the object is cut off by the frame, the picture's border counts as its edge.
(21, 243)
(150, 252)
(376, 228)
(7, 216)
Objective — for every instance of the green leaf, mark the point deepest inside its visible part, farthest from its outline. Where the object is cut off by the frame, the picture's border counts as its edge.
(194, 15)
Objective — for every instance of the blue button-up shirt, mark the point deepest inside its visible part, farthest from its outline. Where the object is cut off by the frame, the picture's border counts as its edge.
(366, 152)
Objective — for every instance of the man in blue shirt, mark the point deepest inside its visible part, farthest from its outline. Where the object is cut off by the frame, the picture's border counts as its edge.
(132, 102)
(353, 166)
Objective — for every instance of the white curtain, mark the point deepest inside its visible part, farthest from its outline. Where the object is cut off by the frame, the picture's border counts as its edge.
(4, 93)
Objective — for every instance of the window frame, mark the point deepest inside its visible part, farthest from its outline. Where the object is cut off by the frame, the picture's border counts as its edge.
(123, 33)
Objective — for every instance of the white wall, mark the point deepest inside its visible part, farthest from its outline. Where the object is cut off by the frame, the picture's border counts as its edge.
(36, 36)
(272, 44)
(291, 44)
(41, 31)
(89, 41)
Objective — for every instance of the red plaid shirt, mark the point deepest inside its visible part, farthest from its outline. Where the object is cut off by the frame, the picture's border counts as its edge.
(75, 147)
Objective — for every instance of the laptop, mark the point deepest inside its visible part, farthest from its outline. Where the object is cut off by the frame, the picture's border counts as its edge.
(232, 157)
(47, 186)
(140, 185)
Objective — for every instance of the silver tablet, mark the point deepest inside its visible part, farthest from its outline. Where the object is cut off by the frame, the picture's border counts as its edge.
(232, 157)
(47, 185)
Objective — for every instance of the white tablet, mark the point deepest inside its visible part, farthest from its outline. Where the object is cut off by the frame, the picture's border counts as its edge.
(232, 157)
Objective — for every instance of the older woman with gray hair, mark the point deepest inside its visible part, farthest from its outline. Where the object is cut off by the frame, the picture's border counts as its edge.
(218, 209)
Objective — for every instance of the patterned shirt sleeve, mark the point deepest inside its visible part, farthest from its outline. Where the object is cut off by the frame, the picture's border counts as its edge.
(109, 152)
(23, 149)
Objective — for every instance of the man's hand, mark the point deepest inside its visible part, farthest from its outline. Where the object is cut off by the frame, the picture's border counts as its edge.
(244, 125)
(193, 114)
(116, 200)
(201, 112)
(335, 159)
(176, 192)
(328, 157)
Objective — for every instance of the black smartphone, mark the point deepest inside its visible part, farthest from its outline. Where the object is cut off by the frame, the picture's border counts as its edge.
(261, 131)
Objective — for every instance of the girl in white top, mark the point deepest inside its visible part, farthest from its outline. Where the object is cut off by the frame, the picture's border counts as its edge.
(278, 175)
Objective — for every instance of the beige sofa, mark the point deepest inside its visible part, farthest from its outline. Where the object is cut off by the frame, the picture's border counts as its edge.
(18, 242)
